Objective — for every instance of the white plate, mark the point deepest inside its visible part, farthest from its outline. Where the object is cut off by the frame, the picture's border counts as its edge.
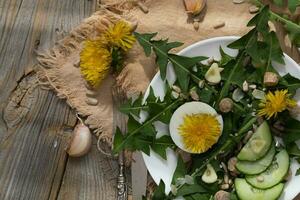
(161, 169)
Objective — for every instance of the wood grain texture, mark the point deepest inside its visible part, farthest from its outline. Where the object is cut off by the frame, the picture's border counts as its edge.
(34, 123)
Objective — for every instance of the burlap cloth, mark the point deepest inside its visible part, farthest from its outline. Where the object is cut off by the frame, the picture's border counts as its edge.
(58, 68)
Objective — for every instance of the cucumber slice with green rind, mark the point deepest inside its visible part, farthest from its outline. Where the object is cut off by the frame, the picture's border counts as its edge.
(246, 192)
(258, 145)
(273, 174)
(256, 167)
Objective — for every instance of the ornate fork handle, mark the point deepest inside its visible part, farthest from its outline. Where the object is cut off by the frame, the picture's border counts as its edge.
(120, 121)
(121, 182)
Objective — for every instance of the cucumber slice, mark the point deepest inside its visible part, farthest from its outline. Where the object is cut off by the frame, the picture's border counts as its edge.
(256, 167)
(246, 192)
(258, 145)
(273, 174)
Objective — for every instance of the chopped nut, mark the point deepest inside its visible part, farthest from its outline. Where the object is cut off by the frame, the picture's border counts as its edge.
(226, 105)
(224, 186)
(247, 136)
(253, 86)
(176, 88)
(226, 178)
(196, 25)
(231, 164)
(253, 9)
(219, 25)
(270, 79)
(245, 86)
(194, 95)
(175, 95)
(201, 84)
(222, 195)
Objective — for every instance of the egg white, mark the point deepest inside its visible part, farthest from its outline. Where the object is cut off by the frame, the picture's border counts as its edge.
(189, 108)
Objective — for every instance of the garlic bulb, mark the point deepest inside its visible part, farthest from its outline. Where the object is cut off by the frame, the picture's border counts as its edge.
(80, 142)
(194, 6)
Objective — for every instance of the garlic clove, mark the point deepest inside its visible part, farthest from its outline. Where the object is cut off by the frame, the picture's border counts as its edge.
(80, 142)
(194, 6)
(213, 75)
(209, 176)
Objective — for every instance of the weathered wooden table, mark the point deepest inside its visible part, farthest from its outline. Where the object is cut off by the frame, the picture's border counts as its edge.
(34, 123)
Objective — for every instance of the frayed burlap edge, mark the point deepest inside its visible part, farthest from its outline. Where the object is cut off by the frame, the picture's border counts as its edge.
(66, 52)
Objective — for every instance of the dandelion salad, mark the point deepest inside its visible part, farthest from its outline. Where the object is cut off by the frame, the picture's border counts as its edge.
(235, 117)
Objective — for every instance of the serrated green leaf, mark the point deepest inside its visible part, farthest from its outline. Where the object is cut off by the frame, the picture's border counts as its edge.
(148, 130)
(289, 82)
(205, 95)
(293, 149)
(238, 77)
(293, 4)
(243, 42)
(182, 66)
(133, 107)
(278, 2)
(190, 189)
(260, 21)
(298, 172)
(291, 130)
(294, 33)
(118, 138)
(132, 124)
(198, 196)
(225, 58)
(135, 132)
(180, 170)
(230, 78)
(159, 193)
(163, 47)
(275, 52)
(161, 144)
(144, 40)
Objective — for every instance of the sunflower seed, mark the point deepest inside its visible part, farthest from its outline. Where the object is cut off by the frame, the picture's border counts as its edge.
(238, 1)
(219, 25)
(253, 9)
(91, 101)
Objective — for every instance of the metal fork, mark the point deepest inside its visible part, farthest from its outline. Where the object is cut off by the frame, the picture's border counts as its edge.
(119, 120)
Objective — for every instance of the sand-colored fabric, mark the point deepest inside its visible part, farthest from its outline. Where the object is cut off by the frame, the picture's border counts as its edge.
(58, 68)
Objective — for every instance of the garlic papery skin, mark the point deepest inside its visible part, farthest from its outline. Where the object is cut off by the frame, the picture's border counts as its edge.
(80, 142)
(194, 6)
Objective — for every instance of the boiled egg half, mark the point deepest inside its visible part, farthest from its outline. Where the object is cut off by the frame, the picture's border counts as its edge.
(195, 127)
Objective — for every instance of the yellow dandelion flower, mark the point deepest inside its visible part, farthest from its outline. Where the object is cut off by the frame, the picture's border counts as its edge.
(120, 35)
(95, 61)
(199, 132)
(275, 103)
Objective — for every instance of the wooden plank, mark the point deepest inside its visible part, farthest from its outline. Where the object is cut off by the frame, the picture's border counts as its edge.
(92, 177)
(34, 123)
(32, 154)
